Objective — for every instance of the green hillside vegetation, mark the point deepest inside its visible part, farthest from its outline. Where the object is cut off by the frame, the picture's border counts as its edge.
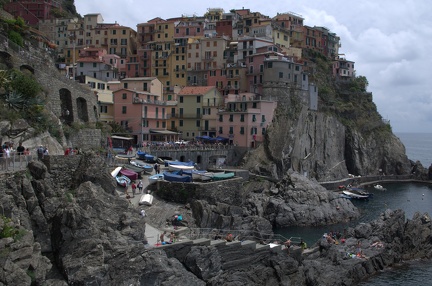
(349, 101)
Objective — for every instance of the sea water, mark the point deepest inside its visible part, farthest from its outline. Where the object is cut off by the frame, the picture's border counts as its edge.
(410, 197)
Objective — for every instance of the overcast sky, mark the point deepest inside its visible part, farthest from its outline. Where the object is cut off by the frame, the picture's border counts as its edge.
(389, 41)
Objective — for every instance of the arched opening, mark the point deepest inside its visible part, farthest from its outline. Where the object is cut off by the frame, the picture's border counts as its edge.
(66, 106)
(182, 158)
(199, 159)
(27, 68)
(82, 109)
(5, 61)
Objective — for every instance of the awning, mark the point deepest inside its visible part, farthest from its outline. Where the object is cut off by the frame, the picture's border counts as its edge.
(163, 132)
(121, 137)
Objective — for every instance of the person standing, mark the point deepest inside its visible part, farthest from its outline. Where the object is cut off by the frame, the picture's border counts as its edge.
(133, 189)
(140, 186)
(158, 168)
(40, 152)
(20, 149)
(155, 167)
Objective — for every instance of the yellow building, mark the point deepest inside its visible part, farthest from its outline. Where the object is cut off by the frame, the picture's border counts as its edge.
(197, 109)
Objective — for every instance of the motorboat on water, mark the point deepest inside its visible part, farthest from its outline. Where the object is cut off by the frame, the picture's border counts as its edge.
(380, 187)
(357, 193)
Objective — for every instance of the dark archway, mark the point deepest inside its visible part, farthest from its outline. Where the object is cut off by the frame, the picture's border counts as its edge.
(182, 158)
(66, 106)
(25, 68)
(5, 61)
(198, 160)
(82, 109)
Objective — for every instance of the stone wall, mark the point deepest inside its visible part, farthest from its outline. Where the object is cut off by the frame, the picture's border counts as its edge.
(40, 62)
(86, 139)
(62, 169)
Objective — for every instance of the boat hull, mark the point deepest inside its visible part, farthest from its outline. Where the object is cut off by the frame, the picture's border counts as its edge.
(153, 179)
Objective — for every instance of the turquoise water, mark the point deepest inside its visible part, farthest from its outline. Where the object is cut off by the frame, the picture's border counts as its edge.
(410, 197)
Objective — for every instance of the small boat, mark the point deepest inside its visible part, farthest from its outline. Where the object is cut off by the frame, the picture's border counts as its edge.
(129, 173)
(116, 171)
(168, 162)
(359, 191)
(154, 178)
(123, 181)
(141, 154)
(136, 169)
(146, 199)
(195, 174)
(176, 177)
(146, 167)
(125, 156)
(180, 167)
(355, 195)
(380, 187)
(344, 196)
(222, 176)
(149, 158)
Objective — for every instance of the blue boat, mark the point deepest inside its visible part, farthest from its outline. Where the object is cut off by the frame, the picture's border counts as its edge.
(123, 181)
(141, 155)
(176, 177)
(149, 158)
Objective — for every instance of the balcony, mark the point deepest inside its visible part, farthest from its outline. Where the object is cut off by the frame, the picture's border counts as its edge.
(186, 116)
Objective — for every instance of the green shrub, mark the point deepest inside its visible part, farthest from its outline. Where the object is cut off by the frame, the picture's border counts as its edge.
(16, 38)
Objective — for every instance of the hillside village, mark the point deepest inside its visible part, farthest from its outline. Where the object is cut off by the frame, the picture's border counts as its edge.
(191, 76)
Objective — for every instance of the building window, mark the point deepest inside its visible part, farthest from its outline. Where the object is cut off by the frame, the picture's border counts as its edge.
(220, 118)
(231, 130)
(220, 130)
(263, 118)
(280, 74)
(198, 123)
(241, 117)
(124, 96)
(198, 99)
(263, 131)
(253, 118)
(124, 109)
(242, 130)
(181, 99)
(181, 122)
(231, 118)
(94, 65)
(125, 85)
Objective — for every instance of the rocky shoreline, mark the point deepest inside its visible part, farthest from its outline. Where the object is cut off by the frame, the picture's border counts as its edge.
(94, 236)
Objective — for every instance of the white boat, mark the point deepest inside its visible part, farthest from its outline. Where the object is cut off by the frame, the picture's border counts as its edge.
(116, 171)
(355, 196)
(154, 178)
(146, 199)
(380, 187)
(172, 167)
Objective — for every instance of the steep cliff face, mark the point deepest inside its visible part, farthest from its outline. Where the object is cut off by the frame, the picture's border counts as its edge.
(318, 145)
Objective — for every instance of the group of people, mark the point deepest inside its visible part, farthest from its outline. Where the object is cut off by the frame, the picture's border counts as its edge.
(172, 238)
(71, 151)
(8, 155)
(134, 187)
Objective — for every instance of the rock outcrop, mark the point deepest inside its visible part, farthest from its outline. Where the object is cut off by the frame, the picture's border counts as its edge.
(93, 236)
(318, 145)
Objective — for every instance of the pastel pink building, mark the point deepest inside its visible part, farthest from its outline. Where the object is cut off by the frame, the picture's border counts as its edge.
(343, 69)
(245, 119)
(143, 115)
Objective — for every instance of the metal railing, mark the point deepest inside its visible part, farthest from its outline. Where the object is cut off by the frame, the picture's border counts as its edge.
(14, 162)
(239, 235)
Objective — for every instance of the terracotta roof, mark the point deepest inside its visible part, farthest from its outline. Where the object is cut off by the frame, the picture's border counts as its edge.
(195, 90)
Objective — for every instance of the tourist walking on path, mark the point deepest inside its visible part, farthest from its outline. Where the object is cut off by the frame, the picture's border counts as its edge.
(133, 189)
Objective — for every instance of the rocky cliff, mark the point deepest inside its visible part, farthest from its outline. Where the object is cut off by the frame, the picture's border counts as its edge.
(85, 234)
